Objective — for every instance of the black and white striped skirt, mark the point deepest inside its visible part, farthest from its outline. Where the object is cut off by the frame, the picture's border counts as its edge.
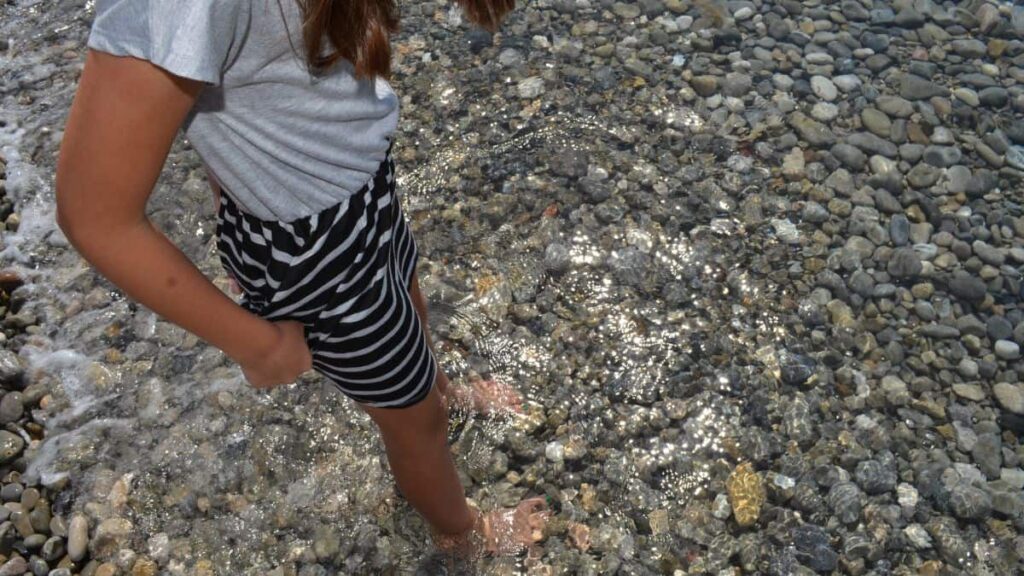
(345, 274)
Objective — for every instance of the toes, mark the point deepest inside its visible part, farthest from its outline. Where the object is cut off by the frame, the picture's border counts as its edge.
(534, 505)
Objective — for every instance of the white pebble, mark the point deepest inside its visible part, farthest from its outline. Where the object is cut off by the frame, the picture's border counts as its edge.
(918, 536)
(907, 496)
(1007, 349)
(721, 508)
(824, 88)
(824, 111)
(554, 451)
(847, 82)
(531, 87)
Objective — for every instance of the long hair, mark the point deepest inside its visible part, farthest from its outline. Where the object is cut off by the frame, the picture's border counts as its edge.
(359, 30)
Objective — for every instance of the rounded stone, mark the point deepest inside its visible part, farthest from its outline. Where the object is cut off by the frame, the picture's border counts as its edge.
(824, 88)
(1010, 397)
(78, 537)
(876, 121)
(11, 446)
(1007, 349)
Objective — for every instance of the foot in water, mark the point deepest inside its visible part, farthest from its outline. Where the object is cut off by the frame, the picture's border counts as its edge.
(512, 530)
(484, 397)
(501, 532)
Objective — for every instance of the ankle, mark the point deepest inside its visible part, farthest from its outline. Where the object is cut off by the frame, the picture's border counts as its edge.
(467, 541)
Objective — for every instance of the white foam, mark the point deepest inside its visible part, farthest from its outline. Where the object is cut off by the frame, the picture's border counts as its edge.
(41, 463)
(29, 190)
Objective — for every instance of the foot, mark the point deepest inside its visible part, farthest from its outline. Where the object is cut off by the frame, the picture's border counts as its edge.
(512, 530)
(506, 531)
(485, 397)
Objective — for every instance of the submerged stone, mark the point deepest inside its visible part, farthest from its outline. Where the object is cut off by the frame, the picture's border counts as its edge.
(746, 494)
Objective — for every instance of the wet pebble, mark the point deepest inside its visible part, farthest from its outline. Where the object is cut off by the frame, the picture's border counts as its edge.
(1010, 397)
(844, 499)
(1007, 349)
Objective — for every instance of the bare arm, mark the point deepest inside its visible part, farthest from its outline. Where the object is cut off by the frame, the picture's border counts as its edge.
(122, 123)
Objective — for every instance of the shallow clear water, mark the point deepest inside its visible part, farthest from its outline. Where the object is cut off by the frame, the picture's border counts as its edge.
(658, 317)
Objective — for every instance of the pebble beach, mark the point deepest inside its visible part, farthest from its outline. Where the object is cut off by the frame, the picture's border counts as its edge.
(755, 267)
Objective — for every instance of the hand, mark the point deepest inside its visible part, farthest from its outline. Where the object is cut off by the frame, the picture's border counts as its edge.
(287, 359)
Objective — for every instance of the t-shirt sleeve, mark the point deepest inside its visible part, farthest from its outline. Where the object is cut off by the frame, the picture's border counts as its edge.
(196, 39)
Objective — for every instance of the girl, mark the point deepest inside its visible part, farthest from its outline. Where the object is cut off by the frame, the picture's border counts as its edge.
(297, 142)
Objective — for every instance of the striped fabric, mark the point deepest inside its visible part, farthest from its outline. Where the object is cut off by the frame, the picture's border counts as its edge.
(345, 274)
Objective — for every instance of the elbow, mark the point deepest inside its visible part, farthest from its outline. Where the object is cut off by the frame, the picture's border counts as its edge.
(69, 215)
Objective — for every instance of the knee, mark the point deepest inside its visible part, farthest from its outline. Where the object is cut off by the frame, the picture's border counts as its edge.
(436, 423)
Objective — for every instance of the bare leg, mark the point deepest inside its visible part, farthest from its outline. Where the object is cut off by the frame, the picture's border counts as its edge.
(417, 449)
(484, 396)
(415, 440)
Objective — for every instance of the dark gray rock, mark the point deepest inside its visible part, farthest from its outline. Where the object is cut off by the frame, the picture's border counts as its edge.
(908, 18)
(814, 213)
(899, 230)
(814, 548)
(914, 87)
(923, 175)
(994, 97)
(795, 369)
(569, 162)
(11, 407)
(814, 132)
(862, 283)
(998, 328)
(737, 84)
(904, 264)
(940, 331)
(948, 541)
(895, 106)
(966, 287)
(872, 144)
(874, 477)
(845, 500)
(478, 38)
(886, 202)
(882, 16)
(857, 545)
(855, 11)
(969, 503)
(989, 254)
(987, 454)
(969, 47)
(877, 42)
(942, 156)
(850, 156)
(981, 183)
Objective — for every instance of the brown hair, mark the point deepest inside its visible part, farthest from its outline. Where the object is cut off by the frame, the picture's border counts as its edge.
(359, 30)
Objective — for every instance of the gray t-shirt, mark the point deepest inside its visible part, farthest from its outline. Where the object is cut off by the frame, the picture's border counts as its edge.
(282, 143)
